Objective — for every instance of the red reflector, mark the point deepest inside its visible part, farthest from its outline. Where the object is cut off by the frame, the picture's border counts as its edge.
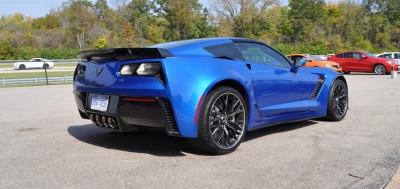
(198, 109)
(139, 99)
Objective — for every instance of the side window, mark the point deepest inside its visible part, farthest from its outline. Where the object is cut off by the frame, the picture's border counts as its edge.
(385, 56)
(357, 55)
(396, 56)
(262, 54)
(225, 50)
(348, 55)
(340, 55)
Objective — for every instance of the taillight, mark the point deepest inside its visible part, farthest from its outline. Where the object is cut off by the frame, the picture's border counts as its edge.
(144, 69)
(79, 71)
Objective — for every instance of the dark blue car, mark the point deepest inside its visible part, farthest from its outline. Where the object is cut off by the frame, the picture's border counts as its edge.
(211, 90)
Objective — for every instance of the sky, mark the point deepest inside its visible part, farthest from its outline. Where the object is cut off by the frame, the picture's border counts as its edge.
(39, 8)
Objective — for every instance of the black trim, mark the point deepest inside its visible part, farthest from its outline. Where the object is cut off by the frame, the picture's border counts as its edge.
(226, 51)
(317, 89)
(132, 115)
(124, 54)
(170, 122)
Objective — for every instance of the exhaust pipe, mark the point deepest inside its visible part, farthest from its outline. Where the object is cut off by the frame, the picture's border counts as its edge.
(98, 122)
(103, 121)
(111, 123)
(91, 117)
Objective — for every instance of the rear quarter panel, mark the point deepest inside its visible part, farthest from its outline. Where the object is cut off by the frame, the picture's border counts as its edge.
(189, 78)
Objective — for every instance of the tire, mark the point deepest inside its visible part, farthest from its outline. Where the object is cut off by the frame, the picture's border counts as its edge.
(338, 101)
(222, 121)
(380, 69)
(45, 66)
(22, 67)
(346, 72)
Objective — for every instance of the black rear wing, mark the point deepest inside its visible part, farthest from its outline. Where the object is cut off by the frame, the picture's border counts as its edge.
(124, 54)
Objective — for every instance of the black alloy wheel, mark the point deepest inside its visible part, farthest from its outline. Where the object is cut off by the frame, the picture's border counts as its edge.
(338, 101)
(379, 69)
(222, 121)
(22, 67)
(45, 66)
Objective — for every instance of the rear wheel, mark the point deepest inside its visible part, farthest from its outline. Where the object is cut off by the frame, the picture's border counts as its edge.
(379, 69)
(338, 101)
(45, 66)
(222, 121)
(346, 72)
(22, 67)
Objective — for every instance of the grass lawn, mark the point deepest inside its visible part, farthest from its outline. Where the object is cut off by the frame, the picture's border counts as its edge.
(35, 74)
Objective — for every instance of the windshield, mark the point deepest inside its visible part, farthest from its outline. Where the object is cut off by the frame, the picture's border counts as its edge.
(312, 57)
(370, 54)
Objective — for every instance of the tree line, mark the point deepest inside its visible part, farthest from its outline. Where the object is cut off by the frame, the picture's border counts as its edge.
(301, 26)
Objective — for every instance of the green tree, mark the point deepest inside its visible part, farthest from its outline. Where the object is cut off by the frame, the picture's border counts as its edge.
(78, 19)
(186, 19)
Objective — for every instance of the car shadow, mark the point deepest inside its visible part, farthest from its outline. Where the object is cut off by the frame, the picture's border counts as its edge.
(152, 142)
(278, 129)
(157, 142)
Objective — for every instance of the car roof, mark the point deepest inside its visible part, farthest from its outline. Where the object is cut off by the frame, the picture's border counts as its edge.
(353, 51)
(190, 46)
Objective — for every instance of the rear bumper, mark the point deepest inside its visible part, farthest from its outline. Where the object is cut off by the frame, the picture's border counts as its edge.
(129, 113)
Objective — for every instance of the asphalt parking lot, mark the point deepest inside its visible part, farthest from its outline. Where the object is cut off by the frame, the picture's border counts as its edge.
(45, 144)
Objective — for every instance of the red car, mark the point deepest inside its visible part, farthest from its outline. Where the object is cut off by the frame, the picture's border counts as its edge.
(362, 61)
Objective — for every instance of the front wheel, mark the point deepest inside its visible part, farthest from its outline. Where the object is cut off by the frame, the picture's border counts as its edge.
(45, 66)
(338, 101)
(222, 121)
(380, 69)
(22, 67)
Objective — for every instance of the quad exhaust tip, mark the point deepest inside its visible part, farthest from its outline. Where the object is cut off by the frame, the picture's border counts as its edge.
(103, 121)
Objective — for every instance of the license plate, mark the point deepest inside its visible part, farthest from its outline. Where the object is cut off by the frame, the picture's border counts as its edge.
(99, 102)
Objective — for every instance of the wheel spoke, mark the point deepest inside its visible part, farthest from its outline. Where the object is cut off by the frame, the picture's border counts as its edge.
(227, 120)
(236, 112)
(226, 103)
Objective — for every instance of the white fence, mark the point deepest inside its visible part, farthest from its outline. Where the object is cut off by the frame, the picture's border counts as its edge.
(36, 80)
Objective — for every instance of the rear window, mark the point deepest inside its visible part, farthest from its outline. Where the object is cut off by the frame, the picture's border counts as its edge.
(225, 50)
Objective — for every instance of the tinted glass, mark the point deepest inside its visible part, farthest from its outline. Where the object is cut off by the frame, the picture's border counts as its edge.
(348, 55)
(396, 56)
(340, 55)
(316, 58)
(262, 54)
(225, 50)
(370, 55)
(385, 56)
(357, 55)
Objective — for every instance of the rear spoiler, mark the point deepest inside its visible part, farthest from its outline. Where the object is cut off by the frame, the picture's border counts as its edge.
(124, 54)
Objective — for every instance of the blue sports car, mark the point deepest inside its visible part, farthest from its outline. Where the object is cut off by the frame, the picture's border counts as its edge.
(210, 90)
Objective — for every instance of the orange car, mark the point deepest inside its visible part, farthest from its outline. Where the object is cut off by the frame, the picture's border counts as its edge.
(314, 61)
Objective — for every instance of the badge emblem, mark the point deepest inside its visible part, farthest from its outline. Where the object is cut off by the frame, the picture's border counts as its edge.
(98, 72)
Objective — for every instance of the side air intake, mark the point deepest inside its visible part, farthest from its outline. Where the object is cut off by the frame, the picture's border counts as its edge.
(320, 84)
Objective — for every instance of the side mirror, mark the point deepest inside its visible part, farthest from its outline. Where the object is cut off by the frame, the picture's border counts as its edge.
(299, 62)
(364, 56)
